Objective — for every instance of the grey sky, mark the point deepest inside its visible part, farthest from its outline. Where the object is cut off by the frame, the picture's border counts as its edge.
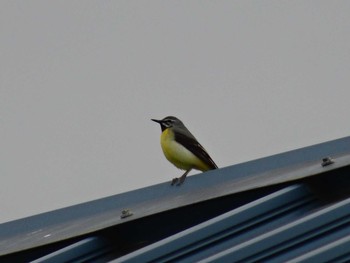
(80, 81)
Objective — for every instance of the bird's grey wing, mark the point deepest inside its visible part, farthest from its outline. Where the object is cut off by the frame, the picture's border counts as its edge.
(191, 144)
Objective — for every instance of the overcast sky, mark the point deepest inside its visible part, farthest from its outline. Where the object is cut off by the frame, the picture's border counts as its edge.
(80, 81)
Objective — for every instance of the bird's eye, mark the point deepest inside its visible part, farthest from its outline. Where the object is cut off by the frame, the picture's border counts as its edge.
(168, 123)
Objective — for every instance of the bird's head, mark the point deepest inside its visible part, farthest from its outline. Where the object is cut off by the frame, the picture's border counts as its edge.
(168, 122)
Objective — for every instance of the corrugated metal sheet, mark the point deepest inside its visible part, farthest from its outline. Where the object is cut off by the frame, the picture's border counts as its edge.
(280, 227)
(222, 211)
(294, 239)
(86, 250)
(230, 229)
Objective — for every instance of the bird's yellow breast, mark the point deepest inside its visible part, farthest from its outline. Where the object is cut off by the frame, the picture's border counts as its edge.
(178, 154)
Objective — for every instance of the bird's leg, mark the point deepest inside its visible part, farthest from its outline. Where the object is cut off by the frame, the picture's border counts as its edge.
(182, 178)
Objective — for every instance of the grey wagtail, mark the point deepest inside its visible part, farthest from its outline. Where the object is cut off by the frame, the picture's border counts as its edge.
(182, 149)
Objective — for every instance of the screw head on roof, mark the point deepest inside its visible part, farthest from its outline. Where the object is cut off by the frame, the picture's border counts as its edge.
(126, 213)
(327, 161)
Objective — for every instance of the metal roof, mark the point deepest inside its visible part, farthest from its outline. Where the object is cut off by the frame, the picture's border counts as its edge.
(244, 223)
(277, 228)
(120, 224)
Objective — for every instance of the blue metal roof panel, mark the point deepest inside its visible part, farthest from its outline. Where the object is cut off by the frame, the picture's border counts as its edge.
(280, 227)
(337, 251)
(81, 251)
(311, 228)
(92, 216)
(242, 223)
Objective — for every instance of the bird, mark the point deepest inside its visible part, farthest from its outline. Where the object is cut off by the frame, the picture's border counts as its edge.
(182, 149)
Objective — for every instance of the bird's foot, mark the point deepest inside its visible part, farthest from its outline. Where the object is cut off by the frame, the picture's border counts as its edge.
(177, 181)
(174, 181)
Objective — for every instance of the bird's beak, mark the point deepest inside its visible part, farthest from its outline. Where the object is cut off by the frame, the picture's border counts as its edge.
(158, 121)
